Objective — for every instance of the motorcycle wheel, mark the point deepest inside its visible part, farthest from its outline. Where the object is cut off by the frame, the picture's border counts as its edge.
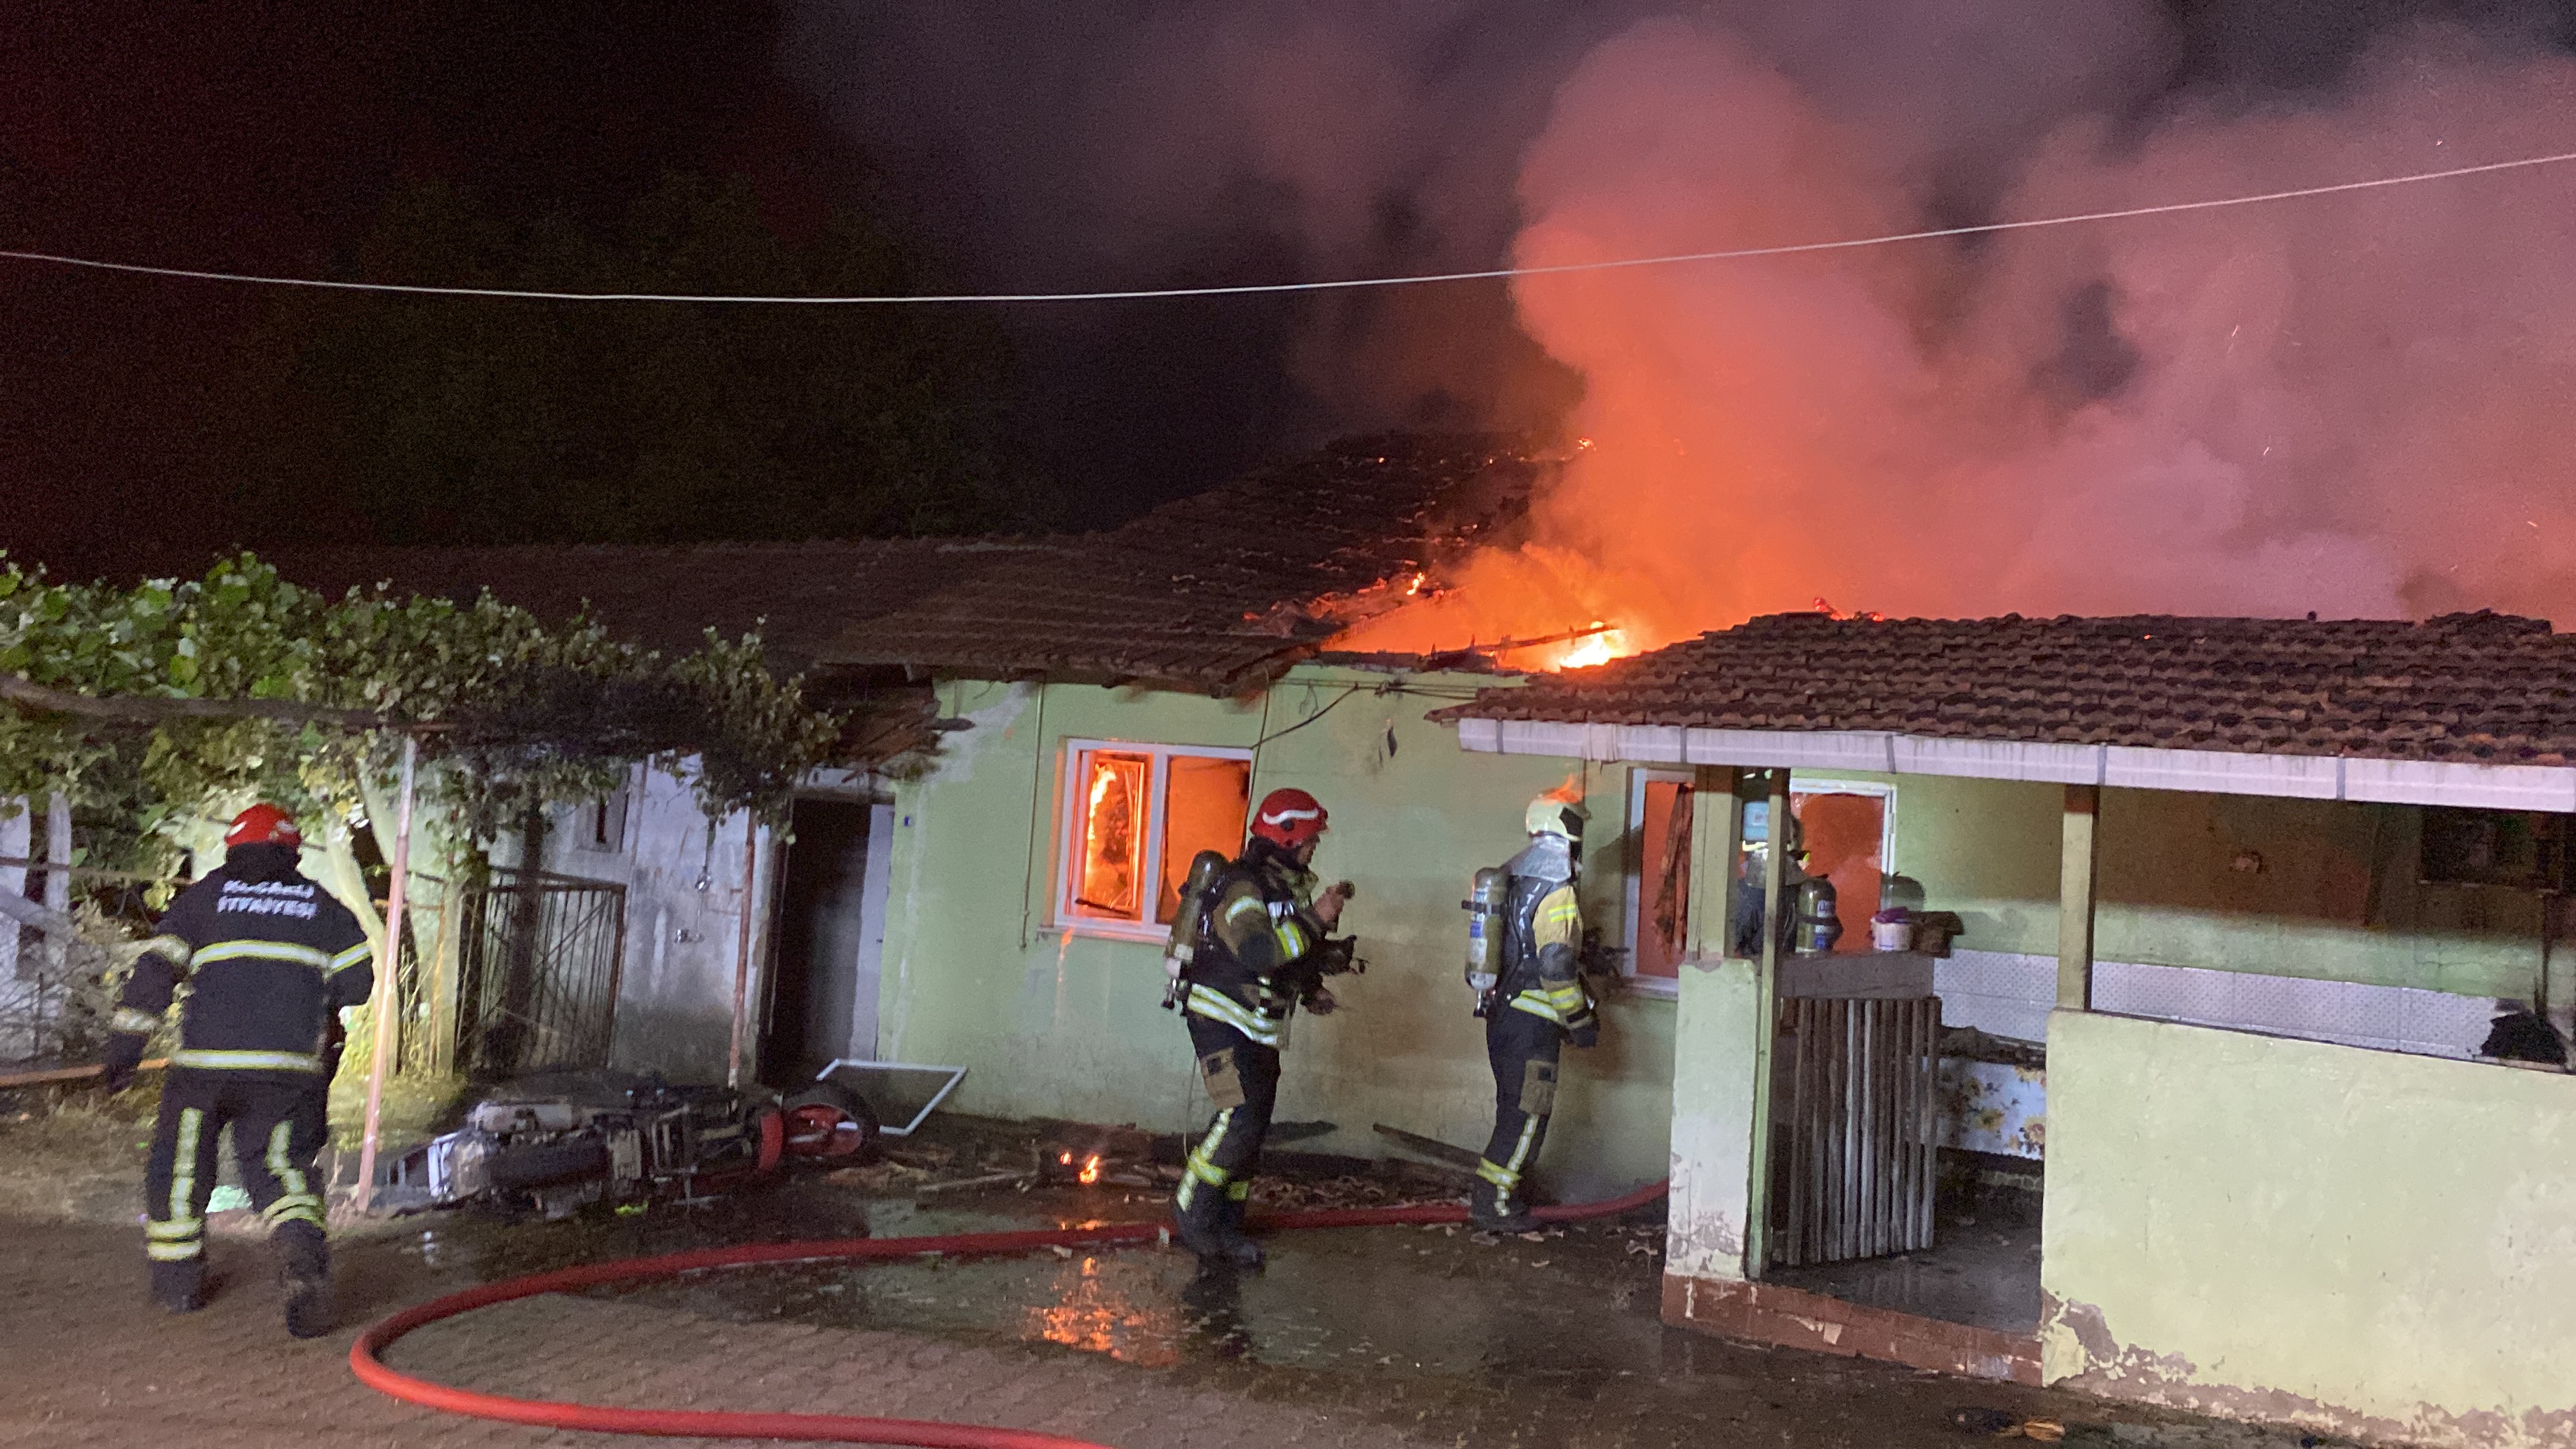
(828, 1122)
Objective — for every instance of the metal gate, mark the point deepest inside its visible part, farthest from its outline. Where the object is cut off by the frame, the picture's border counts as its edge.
(1852, 1138)
(537, 972)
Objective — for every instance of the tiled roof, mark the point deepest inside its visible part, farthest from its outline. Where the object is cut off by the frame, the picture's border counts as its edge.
(800, 596)
(2469, 688)
(1224, 589)
(1219, 591)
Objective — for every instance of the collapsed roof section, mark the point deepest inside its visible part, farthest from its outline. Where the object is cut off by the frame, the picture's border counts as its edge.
(1222, 591)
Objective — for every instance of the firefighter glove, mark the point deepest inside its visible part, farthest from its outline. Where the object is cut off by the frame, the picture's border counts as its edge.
(124, 1055)
(1586, 1035)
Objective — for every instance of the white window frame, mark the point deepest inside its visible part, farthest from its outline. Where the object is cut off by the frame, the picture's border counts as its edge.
(1638, 779)
(1069, 814)
(1885, 791)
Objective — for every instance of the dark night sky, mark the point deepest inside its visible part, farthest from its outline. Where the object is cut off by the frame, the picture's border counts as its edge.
(1016, 143)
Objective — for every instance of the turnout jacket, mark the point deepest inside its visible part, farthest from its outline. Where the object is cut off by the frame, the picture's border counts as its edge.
(1257, 946)
(1542, 939)
(268, 964)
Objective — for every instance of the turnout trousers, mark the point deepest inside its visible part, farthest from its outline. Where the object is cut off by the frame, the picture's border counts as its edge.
(278, 1122)
(1242, 1078)
(1522, 1049)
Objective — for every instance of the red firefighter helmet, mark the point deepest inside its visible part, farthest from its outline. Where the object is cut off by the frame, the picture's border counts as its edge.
(263, 824)
(1288, 817)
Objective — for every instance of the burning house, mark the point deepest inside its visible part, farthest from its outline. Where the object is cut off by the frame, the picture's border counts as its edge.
(2169, 1076)
(1045, 731)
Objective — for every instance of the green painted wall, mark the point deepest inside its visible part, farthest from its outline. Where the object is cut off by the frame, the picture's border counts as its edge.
(1068, 1026)
(2336, 895)
(2365, 1242)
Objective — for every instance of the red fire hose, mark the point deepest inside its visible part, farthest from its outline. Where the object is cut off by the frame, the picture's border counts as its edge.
(366, 1356)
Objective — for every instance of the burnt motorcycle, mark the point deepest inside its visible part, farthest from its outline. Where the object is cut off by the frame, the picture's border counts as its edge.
(557, 1142)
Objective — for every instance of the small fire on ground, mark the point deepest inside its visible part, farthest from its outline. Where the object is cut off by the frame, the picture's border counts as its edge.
(1090, 1172)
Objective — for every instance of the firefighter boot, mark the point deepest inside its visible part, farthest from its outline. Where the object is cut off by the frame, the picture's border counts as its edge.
(180, 1287)
(304, 1268)
(1199, 1224)
(1493, 1209)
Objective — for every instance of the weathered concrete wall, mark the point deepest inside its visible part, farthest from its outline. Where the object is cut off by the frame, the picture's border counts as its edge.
(2368, 1243)
(675, 991)
(1067, 1025)
(1712, 1146)
(2335, 895)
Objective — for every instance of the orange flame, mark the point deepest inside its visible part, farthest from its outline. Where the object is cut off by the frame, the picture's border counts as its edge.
(1568, 791)
(1090, 1170)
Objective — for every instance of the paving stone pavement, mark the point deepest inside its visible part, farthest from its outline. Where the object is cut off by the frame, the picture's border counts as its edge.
(1565, 1352)
(84, 1362)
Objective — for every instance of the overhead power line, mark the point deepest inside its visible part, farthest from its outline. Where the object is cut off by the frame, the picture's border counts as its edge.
(1259, 288)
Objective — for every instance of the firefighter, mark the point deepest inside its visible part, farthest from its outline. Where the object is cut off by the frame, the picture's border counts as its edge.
(270, 959)
(1538, 1003)
(1257, 958)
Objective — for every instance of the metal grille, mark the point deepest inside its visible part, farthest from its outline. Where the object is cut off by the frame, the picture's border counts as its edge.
(422, 995)
(1853, 1140)
(52, 1008)
(537, 971)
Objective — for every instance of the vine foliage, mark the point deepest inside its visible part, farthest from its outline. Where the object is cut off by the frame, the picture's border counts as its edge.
(511, 712)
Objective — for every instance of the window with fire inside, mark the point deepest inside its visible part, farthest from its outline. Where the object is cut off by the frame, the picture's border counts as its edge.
(1134, 817)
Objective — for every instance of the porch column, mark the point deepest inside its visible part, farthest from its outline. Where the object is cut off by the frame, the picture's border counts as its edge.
(2079, 850)
(1766, 1023)
(1720, 1052)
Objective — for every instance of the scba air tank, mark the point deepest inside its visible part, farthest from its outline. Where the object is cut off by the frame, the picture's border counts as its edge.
(1205, 867)
(1484, 907)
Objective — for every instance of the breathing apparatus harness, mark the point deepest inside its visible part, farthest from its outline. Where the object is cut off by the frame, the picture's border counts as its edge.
(1209, 875)
(1502, 904)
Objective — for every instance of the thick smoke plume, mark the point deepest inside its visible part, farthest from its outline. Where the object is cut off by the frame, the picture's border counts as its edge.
(2357, 405)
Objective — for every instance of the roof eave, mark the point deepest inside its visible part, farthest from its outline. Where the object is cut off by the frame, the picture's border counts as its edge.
(2373, 779)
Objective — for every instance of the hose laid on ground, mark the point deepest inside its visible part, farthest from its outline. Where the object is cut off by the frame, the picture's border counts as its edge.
(366, 1356)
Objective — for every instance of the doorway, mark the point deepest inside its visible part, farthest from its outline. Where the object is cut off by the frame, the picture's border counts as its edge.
(830, 937)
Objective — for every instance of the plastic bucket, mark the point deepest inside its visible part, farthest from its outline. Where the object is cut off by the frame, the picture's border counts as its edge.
(1891, 935)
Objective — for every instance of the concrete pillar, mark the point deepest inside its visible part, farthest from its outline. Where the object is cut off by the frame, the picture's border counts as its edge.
(2079, 852)
(1766, 1022)
(1715, 1048)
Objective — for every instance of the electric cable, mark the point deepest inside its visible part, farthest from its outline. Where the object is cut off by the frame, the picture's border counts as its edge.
(1310, 719)
(1261, 288)
(366, 1356)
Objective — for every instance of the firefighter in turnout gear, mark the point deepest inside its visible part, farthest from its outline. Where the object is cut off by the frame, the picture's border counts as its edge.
(269, 958)
(1538, 1003)
(1259, 954)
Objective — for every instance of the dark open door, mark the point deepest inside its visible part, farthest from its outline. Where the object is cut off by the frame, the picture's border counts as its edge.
(823, 999)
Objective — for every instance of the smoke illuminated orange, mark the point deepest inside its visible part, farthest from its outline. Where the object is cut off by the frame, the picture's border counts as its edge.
(2337, 405)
